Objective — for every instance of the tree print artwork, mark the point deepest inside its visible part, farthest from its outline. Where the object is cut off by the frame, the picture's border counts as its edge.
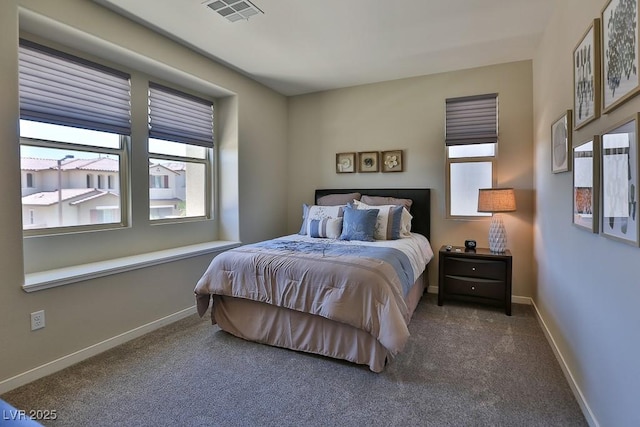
(585, 91)
(586, 76)
(620, 44)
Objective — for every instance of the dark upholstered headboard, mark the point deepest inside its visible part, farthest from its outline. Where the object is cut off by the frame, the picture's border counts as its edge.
(420, 210)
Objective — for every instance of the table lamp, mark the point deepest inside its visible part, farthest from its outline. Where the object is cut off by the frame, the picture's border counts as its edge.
(497, 200)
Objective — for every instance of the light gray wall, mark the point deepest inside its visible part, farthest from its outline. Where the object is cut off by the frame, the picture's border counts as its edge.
(588, 286)
(409, 114)
(252, 155)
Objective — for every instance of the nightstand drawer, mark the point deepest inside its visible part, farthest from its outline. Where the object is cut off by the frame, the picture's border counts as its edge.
(454, 285)
(488, 269)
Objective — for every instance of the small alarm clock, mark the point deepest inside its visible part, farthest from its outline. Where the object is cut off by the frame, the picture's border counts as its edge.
(470, 244)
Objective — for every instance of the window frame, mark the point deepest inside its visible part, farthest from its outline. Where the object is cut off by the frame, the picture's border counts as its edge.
(122, 154)
(494, 180)
(166, 134)
(470, 129)
(139, 235)
(208, 190)
(30, 178)
(76, 86)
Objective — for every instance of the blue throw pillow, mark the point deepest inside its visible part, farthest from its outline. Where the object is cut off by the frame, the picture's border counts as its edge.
(359, 224)
(305, 213)
(394, 226)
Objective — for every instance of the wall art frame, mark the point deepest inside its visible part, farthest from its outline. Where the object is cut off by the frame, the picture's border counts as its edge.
(561, 143)
(392, 161)
(619, 160)
(586, 77)
(586, 184)
(368, 161)
(619, 53)
(346, 162)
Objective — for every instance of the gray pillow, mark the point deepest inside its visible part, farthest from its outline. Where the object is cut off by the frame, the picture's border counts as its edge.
(379, 200)
(338, 199)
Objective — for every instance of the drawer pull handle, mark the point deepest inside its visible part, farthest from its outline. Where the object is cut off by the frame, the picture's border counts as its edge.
(473, 268)
(473, 288)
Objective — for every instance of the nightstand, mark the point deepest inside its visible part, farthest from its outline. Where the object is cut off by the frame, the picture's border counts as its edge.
(475, 276)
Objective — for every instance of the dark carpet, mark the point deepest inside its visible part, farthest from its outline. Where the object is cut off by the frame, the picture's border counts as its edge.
(465, 365)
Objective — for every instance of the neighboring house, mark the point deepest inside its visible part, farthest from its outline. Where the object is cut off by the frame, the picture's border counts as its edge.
(80, 206)
(167, 193)
(90, 191)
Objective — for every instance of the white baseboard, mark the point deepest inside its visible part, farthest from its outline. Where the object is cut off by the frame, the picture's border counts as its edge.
(80, 355)
(586, 410)
(520, 300)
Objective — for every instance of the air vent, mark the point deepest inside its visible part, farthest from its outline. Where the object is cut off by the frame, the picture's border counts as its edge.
(234, 10)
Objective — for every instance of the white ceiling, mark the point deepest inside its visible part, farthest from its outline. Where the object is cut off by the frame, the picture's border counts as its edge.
(302, 46)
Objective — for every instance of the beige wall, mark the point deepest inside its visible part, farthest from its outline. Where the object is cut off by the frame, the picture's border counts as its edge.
(273, 152)
(252, 152)
(408, 114)
(588, 286)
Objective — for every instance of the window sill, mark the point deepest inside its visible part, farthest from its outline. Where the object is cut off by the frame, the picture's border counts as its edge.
(78, 273)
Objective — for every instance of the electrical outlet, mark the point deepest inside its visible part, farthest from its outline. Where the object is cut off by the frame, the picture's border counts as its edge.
(37, 320)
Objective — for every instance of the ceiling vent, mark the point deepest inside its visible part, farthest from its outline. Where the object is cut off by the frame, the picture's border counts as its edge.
(234, 10)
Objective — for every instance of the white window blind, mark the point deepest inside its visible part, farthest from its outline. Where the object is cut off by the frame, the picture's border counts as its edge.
(179, 117)
(472, 120)
(62, 89)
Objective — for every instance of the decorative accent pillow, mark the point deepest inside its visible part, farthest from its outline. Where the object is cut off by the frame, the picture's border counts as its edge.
(380, 201)
(318, 212)
(338, 199)
(392, 223)
(325, 227)
(359, 224)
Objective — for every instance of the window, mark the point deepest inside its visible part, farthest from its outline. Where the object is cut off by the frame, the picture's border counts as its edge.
(30, 180)
(180, 150)
(158, 181)
(74, 121)
(471, 149)
(104, 168)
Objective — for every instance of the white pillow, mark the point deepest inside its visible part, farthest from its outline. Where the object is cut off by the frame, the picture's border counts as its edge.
(319, 212)
(386, 219)
(330, 228)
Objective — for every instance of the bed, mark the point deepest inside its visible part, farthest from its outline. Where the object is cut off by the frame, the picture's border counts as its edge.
(350, 300)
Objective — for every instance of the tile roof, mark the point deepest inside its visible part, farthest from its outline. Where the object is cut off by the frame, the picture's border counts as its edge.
(103, 164)
(32, 164)
(46, 198)
(93, 196)
(175, 166)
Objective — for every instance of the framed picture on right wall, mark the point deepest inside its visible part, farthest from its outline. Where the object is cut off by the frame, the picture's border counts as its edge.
(586, 177)
(619, 192)
(586, 77)
(561, 143)
(620, 52)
